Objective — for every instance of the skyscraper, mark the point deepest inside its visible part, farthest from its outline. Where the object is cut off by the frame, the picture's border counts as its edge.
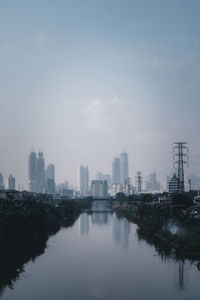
(41, 172)
(32, 172)
(124, 167)
(83, 180)
(1, 182)
(99, 188)
(36, 172)
(11, 182)
(116, 177)
(50, 179)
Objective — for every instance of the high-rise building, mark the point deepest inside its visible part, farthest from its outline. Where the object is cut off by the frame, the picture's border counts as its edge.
(101, 176)
(11, 182)
(83, 180)
(36, 172)
(1, 182)
(173, 185)
(116, 177)
(99, 188)
(32, 172)
(86, 180)
(41, 172)
(152, 184)
(50, 179)
(124, 172)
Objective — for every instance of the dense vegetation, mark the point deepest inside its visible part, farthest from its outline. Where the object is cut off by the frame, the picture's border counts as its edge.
(151, 220)
(25, 227)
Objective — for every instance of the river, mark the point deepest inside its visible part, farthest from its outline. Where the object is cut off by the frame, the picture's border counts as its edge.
(103, 257)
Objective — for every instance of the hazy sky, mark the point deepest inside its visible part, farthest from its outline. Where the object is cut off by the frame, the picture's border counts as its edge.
(85, 79)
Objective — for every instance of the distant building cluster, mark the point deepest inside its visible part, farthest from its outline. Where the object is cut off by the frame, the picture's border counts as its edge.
(10, 185)
(40, 180)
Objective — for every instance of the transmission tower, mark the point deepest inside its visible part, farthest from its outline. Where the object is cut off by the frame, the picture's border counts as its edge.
(180, 156)
(139, 182)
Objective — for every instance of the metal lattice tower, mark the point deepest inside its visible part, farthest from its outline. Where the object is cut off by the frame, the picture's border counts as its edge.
(180, 158)
(139, 182)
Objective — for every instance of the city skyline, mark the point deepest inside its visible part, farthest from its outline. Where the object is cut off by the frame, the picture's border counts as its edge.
(83, 82)
(42, 179)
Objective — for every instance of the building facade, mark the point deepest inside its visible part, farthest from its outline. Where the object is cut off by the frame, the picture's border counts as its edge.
(124, 170)
(83, 180)
(36, 172)
(116, 177)
(1, 182)
(99, 188)
(50, 179)
(32, 172)
(173, 185)
(11, 182)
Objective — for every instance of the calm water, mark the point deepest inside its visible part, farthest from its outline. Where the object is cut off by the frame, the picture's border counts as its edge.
(101, 257)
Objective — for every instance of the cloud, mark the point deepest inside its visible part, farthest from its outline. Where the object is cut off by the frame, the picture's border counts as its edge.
(116, 101)
(101, 116)
(40, 37)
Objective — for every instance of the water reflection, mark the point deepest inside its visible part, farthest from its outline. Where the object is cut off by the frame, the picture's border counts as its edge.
(181, 275)
(101, 218)
(13, 264)
(121, 231)
(84, 224)
(111, 259)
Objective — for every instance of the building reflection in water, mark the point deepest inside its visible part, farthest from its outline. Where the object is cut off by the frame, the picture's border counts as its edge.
(100, 218)
(121, 231)
(84, 224)
(181, 275)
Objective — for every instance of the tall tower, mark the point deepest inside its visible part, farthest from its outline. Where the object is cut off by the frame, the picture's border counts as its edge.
(32, 172)
(116, 178)
(50, 179)
(83, 180)
(1, 182)
(139, 182)
(123, 167)
(41, 172)
(179, 156)
(86, 180)
(11, 182)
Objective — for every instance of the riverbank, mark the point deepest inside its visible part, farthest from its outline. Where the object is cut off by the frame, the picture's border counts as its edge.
(25, 227)
(151, 222)
(25, 222)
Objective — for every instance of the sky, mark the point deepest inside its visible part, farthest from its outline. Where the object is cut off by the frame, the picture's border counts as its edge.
(84, 80)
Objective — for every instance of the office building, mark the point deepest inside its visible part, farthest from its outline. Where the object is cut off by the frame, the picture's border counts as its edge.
(36, 172)
(124, 172)
(41, 172)
(173, 185)
(152, 184)
(116, 177)
(83, 180)
(32, 172)
(101, 176)
(50, 179)
(1, 182)
(11, 182)
(99, 188)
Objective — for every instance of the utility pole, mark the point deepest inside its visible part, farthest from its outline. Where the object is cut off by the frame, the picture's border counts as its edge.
(139, 182)
(180, 157)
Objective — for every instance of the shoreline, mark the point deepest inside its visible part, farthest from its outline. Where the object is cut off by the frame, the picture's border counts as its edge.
(183, 248)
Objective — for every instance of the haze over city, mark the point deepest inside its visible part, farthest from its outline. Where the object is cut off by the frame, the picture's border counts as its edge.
(85, 80)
